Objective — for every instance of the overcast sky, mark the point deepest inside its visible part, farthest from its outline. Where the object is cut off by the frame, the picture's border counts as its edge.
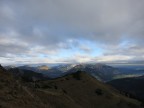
(70, 31)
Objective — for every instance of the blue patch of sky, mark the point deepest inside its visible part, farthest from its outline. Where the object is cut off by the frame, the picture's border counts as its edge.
(43, 55)
(95, 50)
(125, 44)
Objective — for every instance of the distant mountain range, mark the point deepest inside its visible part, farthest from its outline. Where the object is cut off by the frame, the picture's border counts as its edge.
(101, 72)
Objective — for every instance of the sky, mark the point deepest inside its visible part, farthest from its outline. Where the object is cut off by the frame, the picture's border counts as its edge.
(71, 31)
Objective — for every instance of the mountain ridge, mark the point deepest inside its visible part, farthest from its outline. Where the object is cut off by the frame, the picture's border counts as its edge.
(77, 90)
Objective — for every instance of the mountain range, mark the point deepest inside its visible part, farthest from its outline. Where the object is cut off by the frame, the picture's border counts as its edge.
(75, 90)
(101, 72)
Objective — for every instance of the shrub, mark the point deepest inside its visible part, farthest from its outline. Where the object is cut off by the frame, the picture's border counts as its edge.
(64, 91)
(77, 75)
(55, 87)
(99, 92)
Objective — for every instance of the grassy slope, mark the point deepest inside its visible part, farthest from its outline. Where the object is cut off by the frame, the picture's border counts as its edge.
(132, 86)
(13, 94)
(81, 88)
(72, 91)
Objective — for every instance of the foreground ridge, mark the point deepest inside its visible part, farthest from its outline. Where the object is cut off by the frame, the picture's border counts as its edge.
(77, 90)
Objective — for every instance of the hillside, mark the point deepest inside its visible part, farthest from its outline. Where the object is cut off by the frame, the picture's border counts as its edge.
(86, 91)
(101, 72)
(134, 87)
(14, 94)
(27, 75)
(77, 90)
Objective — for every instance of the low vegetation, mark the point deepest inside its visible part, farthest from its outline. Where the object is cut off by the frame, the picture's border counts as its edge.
(79, 91)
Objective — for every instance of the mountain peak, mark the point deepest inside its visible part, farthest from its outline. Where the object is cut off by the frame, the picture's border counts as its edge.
(0, 65)
(43, 67)
(2, 68)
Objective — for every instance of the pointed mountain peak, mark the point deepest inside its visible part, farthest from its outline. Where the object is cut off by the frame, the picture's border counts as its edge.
(2, 68)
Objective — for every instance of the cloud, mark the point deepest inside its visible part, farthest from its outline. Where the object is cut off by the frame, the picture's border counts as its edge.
(47, 27)
(85, 48)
